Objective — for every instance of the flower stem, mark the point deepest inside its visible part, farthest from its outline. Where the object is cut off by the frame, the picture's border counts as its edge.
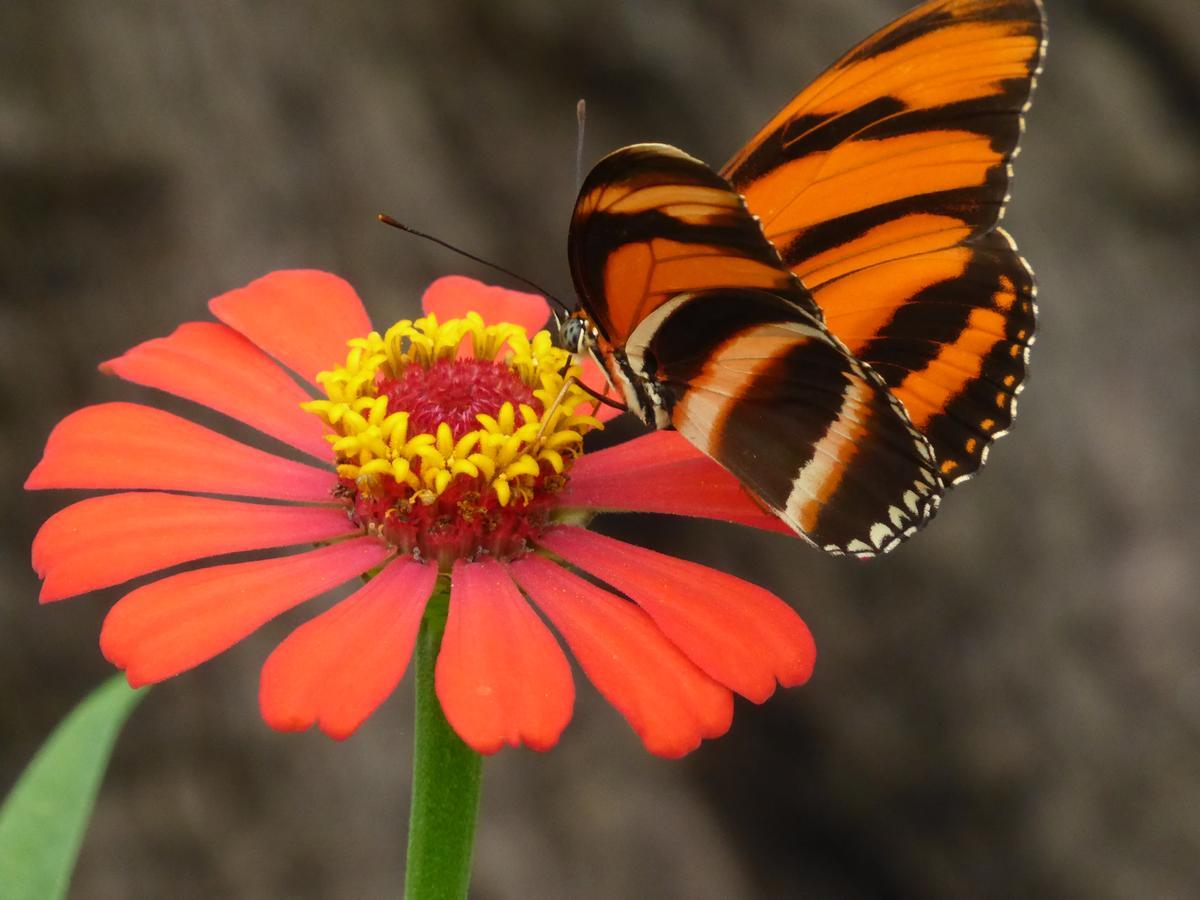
(446, 779)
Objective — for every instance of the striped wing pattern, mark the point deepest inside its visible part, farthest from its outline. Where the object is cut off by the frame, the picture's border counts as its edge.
(835, 318)
(651, 222)
(949, 331)
(705, 330)
(881, 185)
(763, 388)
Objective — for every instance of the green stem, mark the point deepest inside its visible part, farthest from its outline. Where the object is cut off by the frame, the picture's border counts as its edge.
(446, 778)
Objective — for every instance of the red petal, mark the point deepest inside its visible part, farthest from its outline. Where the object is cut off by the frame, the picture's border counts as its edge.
(214, 365)
(301, 317)
(593, 376)
(167, 627)
(106, 540)
(669, 702)
(501, 676)
(740, 634)
(453, 296)
(336, 669)
(662, 473)
(124, 445)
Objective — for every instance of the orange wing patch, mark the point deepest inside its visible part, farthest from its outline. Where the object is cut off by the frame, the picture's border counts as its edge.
(863, 174)
(964, 59)
(652, 222)
(893, 239)
(860, 303)
(949, 331)
(881, 184)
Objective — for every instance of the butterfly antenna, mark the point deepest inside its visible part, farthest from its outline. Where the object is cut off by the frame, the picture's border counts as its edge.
(388, 220)
(580, 120)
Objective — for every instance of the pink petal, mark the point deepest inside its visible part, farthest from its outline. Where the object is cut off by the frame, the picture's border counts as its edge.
(214, 365)
(301, 317)
(335, 670)
(662, 473)
(106, 540)
(740, 634)
(124, 445)
(593, 376)
(501, 676)
(453, 296)
(167, 627)
(669, 702)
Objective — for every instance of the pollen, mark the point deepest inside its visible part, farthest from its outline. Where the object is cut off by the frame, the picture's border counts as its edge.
(452, 438)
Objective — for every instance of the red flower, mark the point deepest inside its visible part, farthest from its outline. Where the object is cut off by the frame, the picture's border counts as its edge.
(449, 459)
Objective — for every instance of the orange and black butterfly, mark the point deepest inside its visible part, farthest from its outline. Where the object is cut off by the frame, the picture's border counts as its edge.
(835, 316)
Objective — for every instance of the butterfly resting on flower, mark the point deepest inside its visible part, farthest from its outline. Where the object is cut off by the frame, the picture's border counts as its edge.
(835, 316)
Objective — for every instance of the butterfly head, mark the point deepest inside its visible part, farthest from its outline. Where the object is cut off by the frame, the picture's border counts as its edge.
(575, 332)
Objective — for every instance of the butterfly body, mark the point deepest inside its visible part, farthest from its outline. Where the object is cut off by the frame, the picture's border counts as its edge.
(834, 316)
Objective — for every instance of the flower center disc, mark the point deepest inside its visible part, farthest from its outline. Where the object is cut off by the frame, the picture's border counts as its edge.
(455, 392)
(452, 440)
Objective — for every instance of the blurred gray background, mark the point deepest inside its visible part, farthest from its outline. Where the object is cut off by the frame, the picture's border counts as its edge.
(1008, 706)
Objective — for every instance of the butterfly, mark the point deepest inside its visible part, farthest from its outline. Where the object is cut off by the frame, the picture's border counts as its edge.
(834, 316)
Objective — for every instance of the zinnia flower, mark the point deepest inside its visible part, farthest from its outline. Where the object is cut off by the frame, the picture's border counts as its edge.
(438, 451)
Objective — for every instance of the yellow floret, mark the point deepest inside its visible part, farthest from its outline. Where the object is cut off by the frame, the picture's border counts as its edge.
(505, 454)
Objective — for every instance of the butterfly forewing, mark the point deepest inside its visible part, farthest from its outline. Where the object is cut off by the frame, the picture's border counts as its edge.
(651, 222)
(881, 184)
(762, 388)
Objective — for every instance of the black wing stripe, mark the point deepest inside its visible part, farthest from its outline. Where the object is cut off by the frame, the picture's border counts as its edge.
(652, 201)
(779, 403)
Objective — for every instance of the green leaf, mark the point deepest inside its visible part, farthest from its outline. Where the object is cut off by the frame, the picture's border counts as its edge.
(43, 820)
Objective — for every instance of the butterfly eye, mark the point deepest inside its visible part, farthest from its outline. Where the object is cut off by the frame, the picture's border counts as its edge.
(572, 331)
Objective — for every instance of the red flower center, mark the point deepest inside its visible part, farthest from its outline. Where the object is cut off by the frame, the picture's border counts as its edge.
(460, 523)
(448, 456)
(454, 391)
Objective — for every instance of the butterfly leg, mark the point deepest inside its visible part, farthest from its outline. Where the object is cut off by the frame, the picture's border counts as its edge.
(601, 399)
(567, 384)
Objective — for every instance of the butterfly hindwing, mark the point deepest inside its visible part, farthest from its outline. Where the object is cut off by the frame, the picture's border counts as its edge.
(761, 387)
(881, 185)
(949, 331)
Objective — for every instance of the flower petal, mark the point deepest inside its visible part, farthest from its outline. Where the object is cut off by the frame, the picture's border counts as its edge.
(501, 676)
(301, 317)
(592, 375)
(106, 540)
(740, 634)
(661, 472)
(212, 364)
(335, 670)
(167, 627)
(669, 702)
(125, 445)
(453, 296)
